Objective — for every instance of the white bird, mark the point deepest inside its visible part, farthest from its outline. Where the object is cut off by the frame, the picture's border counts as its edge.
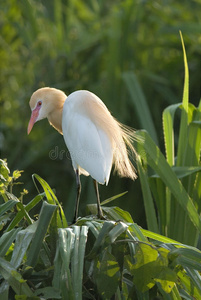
(94, 138)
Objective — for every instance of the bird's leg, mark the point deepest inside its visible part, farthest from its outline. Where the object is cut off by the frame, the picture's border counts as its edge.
(78, 194)
(100, 212)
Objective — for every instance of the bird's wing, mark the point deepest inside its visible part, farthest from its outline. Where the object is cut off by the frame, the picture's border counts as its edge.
(89, 146)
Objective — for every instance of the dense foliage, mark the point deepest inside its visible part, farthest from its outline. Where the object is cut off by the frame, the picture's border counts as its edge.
(94, 45)
(129, 53)
(44, 258)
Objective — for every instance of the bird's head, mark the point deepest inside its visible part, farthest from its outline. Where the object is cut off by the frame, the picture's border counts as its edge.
(43, 102)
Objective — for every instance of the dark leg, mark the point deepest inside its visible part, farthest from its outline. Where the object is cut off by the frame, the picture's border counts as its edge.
(100, 212)
(78, 195)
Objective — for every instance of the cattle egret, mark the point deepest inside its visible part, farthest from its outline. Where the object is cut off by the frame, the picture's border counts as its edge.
(93, 137)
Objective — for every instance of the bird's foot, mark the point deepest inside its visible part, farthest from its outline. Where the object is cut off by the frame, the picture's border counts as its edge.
(101, 216)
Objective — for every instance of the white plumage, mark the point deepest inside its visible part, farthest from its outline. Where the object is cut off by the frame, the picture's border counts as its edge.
(89, 146)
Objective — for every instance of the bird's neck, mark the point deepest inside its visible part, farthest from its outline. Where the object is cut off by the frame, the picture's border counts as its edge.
(55, 119)
(55, 115)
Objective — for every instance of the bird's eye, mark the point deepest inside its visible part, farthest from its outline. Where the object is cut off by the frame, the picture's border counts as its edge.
(39, 103)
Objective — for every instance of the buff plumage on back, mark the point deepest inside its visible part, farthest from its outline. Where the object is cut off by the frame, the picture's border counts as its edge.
(120, 136)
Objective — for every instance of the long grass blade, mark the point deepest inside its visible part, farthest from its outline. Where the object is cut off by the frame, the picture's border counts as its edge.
(52, 199)
(7, 206)
(184, 114)
(148, 200)
(20, 215)
(139, 101)
(152, 155)
(168, 121)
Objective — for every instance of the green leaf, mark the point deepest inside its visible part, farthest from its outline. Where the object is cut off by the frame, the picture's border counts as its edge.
(117, 231)
(152, 155)
(138, 99)
(107, 275)
(182, 172)
(184, 114)
(52, 199)
(151, 265)
(48, 292)
(158, 237)
(117, 214)
(14, 279)
(22, 242)
(20, 215)
(100, 241)
(62, 279)
(45, 216)
(187, 258)
(113, 198)
(4, 170)
(148, 200)
(6, 240)
(168, 121)
(7, 206)
(187, 284)
(77, 260)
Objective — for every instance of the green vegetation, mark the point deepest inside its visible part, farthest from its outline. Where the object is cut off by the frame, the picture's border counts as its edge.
(42, 257)
(129, 53)
(175, 186)
(93, 45)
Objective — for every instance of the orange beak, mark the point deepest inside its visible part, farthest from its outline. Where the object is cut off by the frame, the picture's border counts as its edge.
(33, 119)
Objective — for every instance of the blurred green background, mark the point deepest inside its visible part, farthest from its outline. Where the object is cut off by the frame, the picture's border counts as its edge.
(91, 45)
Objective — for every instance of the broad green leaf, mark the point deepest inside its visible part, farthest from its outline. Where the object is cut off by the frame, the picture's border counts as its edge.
(45, 216)
(22, 242)
(107, 275)
(116, 213)
(77, 260)
(94, 227)
(62, 277)
(117, 231)
(167, 279)
(100, 241)
(151, 265)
